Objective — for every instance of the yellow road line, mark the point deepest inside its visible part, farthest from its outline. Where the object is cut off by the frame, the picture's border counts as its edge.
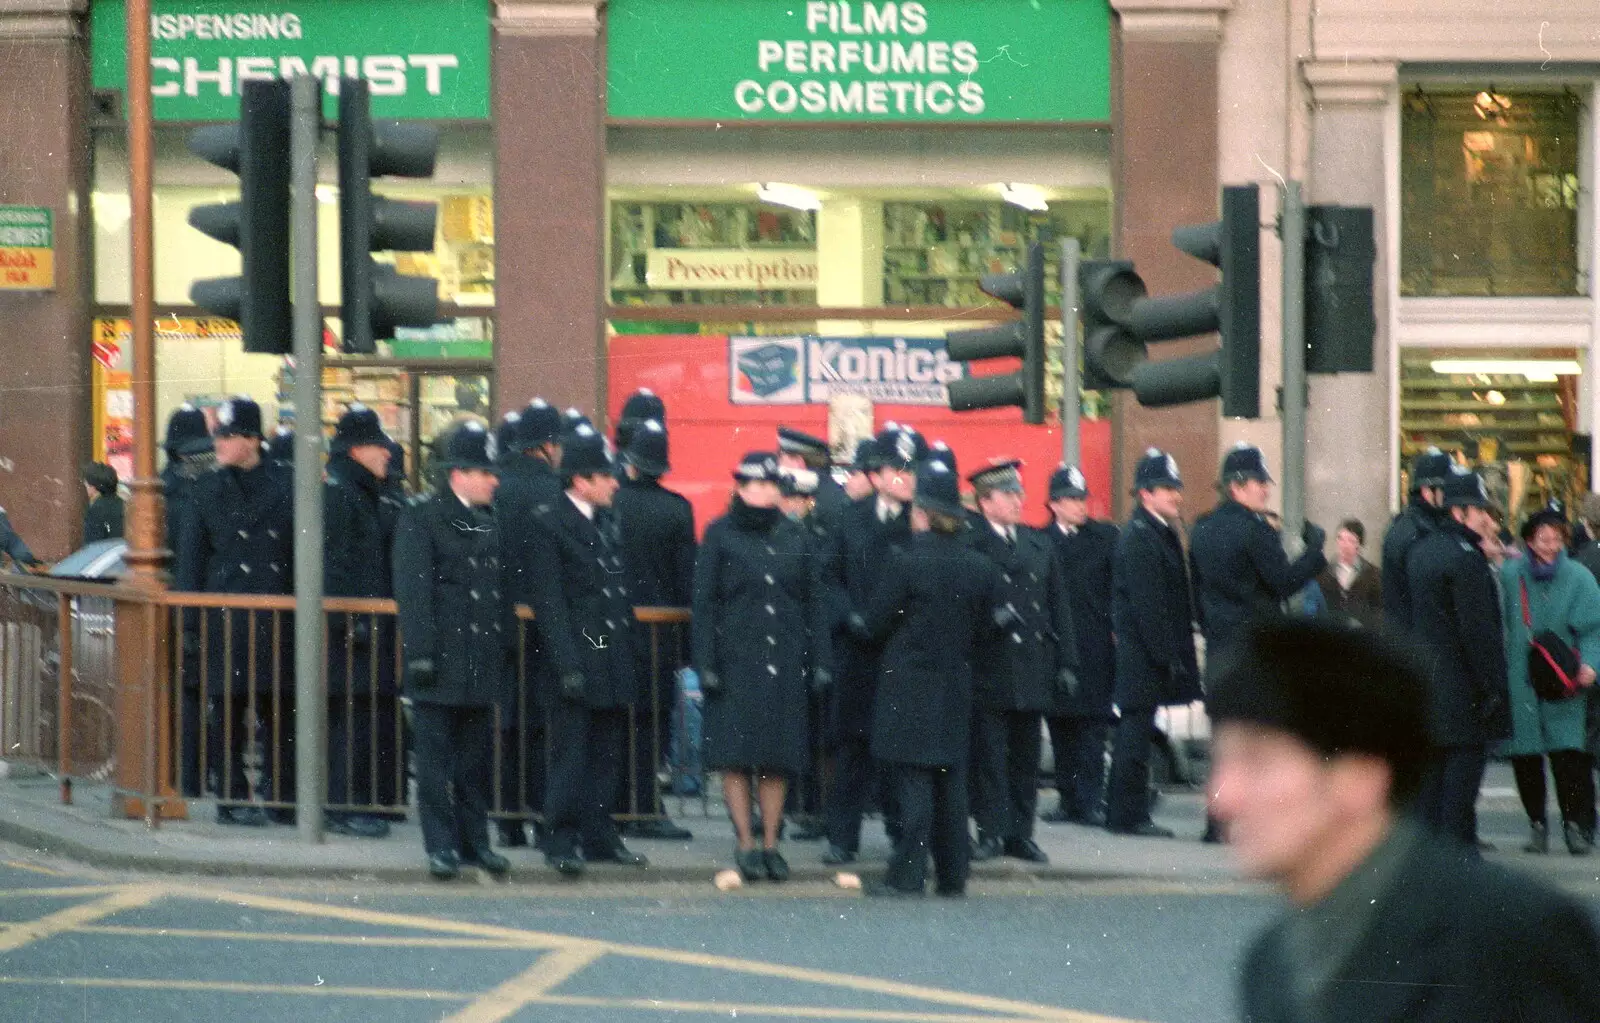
(376, 941)
(741, 1009)
(76, 916)
(533, 984)
(238, 987)
(19, 865)
(63, 892)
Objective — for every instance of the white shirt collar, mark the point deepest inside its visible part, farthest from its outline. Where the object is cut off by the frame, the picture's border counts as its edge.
(1067, 530)
(887, 509)
(583, 506)
(1007, 533)
(1159, 518)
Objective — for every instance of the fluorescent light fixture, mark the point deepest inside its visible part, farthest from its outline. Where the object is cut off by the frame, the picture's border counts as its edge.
(1029, 197)
(327, 194)
(1541, 370)
(792, 196)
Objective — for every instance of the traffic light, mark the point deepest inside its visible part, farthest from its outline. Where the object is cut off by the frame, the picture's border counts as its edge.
(1340, 324)
(1120, 319)
(257, 149)
(375, 297)
(1023, 338)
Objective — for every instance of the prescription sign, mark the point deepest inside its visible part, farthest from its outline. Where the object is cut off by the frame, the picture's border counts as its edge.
(859, 60)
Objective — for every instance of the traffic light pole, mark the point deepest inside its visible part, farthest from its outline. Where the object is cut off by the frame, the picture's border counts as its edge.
(310, 692)
(1071, 407)
(1292, 229)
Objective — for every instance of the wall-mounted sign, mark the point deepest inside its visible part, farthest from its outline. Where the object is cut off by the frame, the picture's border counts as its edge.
(859, 60)
(27, 248)
(425, 59)
(809, 370)
(731, 269)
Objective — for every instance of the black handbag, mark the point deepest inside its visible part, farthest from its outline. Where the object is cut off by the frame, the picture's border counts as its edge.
(1553, 664)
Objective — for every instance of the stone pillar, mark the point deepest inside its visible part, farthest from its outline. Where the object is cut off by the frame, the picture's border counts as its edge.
(1164, 113)
(549, 202)
(1350, 447)
(44, 345)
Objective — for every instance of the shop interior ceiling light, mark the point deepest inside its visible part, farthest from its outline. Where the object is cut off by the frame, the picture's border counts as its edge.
(792, 196)
(1540, 370)
(327, 194)
(1029, 197)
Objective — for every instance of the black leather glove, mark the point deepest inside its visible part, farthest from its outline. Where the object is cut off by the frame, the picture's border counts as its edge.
(821, 680)
(857, 626)
(1066, 684)
(710, 683)
(1314, 536)
(420, 674)
(572, 685)
(1006, 617)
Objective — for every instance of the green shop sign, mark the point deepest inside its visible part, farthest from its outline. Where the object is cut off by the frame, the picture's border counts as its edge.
(425, 59)
(859, 60)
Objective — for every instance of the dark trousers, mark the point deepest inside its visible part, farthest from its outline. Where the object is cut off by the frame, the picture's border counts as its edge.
(853, 775)
(932, 802)
(520, 769)
(193, 716)
(364, 757)
(1449, 796)
(1005, 772)
(1128, 790)
(453, 754)
(587, 748)
(1079, 745)
(1574, 774)
(250, 750)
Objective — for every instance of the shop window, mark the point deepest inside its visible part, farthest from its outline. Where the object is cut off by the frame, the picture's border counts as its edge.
(712, 253)
(1489, 193)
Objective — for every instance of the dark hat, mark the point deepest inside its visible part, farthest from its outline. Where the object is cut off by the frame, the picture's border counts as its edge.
(281, 447)
(1552, 514)
(797, 482)
(571, 419)
(1464, 489)
(647, 451)
(756, 466)
(359, 425)
(585, 452)
(1335, 686)
(186, 432)
(1157, 469)
(538, 424)
(1430, 469)
(939, 451)
(900, 447)
(238, 416)
(643, 404)
(1245, 462)
(467, 445)
(796, 442)
(938, 489)
(1068, 481)
(999, 474)
(866, 457)
(505, 435)
(100, 476)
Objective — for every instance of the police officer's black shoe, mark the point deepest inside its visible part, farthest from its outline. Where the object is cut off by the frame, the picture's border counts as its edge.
(570, 864)
(952, 892)
(834, 856)
(659, 829)
(492, 862)
(242, 816)
(512, 834)
(885, 890)
(620, 854)
(358, 825)
(444, 866)
(1144, 829)
(1092, 819)
(1025, 849)
(986, 849)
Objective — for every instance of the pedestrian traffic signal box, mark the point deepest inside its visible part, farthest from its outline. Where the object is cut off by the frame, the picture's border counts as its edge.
(1120, 319)
(375, 297)
(1022, 338)
(1340, 323)
(256, 148)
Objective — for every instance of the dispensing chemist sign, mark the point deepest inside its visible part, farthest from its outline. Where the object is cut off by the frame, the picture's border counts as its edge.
(859, 60)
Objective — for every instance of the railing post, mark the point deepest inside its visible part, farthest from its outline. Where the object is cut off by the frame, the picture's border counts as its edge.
(64, 695)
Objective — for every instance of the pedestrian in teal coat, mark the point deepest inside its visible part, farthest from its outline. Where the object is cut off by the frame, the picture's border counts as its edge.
(1547, 590)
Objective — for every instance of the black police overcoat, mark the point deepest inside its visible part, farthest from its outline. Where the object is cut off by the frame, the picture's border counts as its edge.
(449, 580)
(1415, 521)
(760, 624)
(360, 514)
(102, 520)
(1239, 570)
(582, 604)
(859, 550)
(1016, 669)
(527, 484)
(935, 604)
(1455, 612)
(831, 504)
(1087, 558)
(1152, 613)
(238, 537)
(658, 545)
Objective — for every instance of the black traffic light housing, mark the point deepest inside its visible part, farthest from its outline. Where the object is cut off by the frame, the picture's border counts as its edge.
(257, 149)
(1340, 323)
(1022, 338)
(375, 297)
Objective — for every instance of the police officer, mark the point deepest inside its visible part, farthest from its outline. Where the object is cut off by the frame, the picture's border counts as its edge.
(1018, 674)
(643, 405)
(800, 450)
(528, 482)
(360, 513)
(238, 537)
(189, 455)
(658, 549)
(280, 449)
(1421, 516)
(1086, 549)
(1455, 617)
(869, 530)
(458, 627)
(1152, 616)
(584, 612)
(858, 477)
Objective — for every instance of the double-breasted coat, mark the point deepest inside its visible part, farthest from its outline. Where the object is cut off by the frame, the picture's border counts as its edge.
(449, 581)
(1016, 669)
(527, 484)
(238, 537)
(1152, 612)
(860, 549)
(1087, 557)
(1239, 570)
(935, 604)
(761, 626)
(360, 514)
(582, 604)
(1406, 530)
(658, 545)
(1569, 605)
(1455, 619)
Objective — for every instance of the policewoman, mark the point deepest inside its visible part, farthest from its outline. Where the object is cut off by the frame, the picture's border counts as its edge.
(760, 630)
